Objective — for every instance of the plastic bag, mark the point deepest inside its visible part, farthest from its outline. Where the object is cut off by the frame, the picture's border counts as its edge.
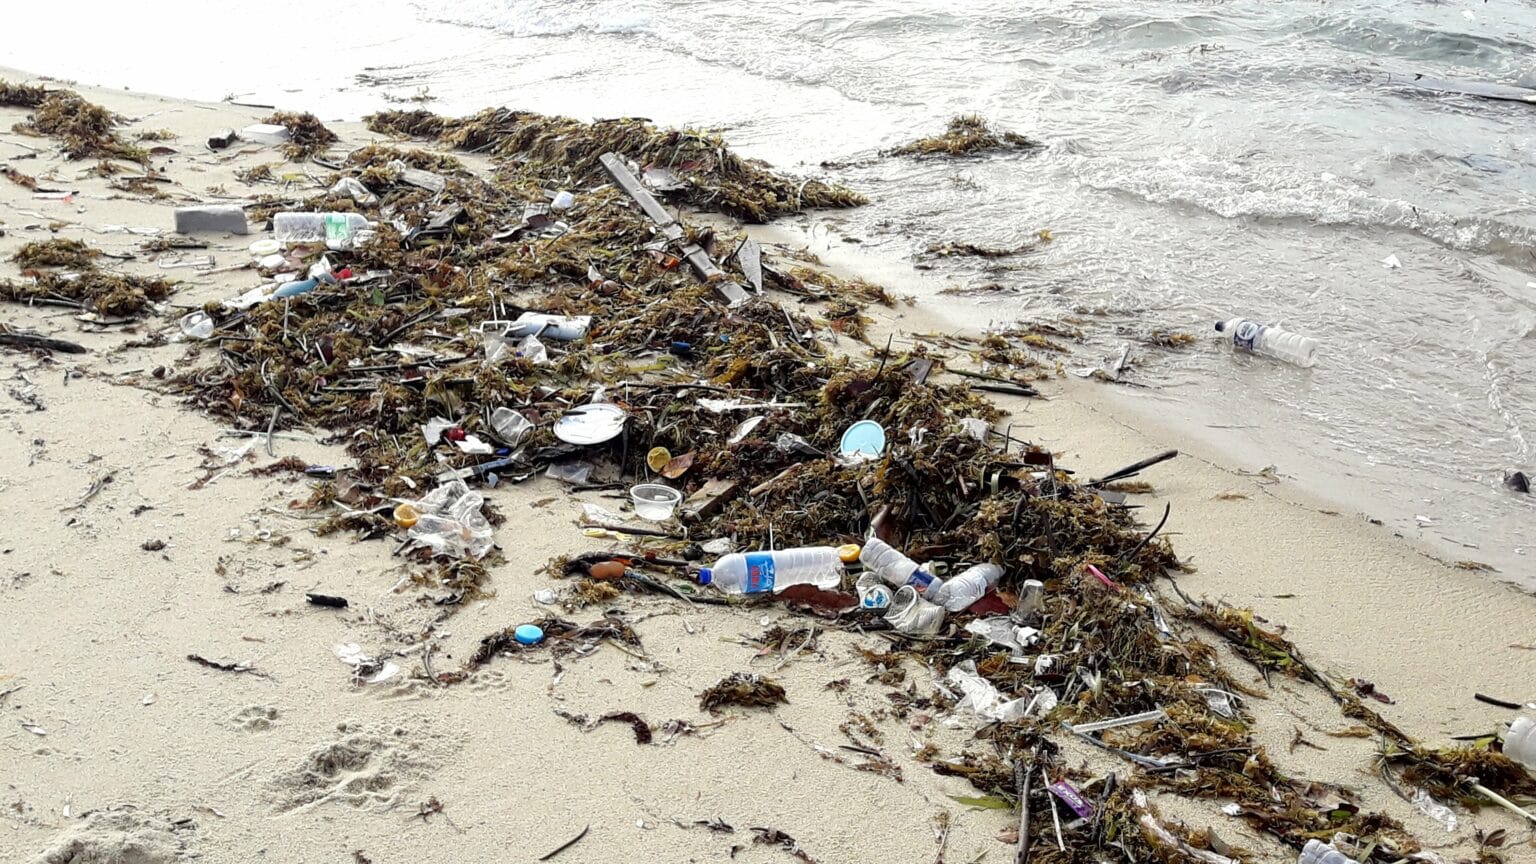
(451, 522)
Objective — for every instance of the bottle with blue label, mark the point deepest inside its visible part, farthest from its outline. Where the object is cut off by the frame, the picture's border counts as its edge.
(760, 572)
(1256, 338)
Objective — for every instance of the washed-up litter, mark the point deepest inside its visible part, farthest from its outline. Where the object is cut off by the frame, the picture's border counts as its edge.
(449, 522)
(590, 424)
(1067, 634)
(365, 669)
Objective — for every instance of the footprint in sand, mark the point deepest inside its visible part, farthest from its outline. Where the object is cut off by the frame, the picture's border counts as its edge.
(122, 835)
(361, 767)
(256, 718)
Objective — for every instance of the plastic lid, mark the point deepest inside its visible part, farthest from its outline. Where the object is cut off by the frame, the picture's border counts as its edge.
(1221, 325)
(706, 576)
(866, 438)
(528, 634)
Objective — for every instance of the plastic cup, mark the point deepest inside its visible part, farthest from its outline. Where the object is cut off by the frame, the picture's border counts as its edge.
(654, 501)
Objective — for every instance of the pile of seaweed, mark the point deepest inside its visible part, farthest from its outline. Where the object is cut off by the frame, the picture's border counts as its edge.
(697, 165)
(747, 403)
(967, 135)
(110, 294)
(86, 129)
(306, 134)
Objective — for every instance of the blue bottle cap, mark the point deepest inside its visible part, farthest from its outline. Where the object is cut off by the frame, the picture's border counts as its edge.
(528, 634)
(706, 576)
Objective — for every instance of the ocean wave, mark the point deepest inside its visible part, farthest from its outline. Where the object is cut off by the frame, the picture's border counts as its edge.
(533, 18)
(1279, 193)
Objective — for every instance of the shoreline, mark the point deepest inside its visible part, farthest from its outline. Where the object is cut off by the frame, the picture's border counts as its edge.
(1358, 595)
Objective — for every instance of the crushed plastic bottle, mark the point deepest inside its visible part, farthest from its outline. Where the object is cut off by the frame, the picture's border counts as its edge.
(959, 592)
(759, 572)
(896, 568)
(1255, 338)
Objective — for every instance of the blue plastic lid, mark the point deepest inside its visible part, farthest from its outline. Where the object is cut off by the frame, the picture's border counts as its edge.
(528, 634)
(865, 437)
(706, 575)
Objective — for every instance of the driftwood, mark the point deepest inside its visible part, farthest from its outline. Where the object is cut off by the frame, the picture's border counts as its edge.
(29, 340)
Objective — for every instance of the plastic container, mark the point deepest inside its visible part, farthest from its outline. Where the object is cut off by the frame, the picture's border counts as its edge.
(265, 247)
(197, 325)
(911, 614)
(335, 230)
(1255, 338)
(758, 572)
(896, 568)
(654, 501)
(1520, 742)
(959, 592)
(511, 427)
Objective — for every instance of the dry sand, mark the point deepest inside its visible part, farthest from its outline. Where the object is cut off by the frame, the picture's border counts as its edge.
(118, 749)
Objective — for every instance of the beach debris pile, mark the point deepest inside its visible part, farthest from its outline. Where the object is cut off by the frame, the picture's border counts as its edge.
(536, 323)
(966, 135)
(695, 166)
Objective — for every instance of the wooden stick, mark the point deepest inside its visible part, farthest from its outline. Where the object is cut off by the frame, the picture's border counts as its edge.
(27, 340)
(1134, 468)
(1023, 778)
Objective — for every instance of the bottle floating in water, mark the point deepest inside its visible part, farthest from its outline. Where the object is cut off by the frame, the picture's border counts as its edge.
(758, 572)
(1255, 338)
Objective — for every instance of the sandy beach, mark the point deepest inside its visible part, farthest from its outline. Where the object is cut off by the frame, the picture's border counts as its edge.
(135, 535)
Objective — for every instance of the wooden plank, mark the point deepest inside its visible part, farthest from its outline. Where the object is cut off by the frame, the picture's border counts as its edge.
(710, 498)
(733, 292)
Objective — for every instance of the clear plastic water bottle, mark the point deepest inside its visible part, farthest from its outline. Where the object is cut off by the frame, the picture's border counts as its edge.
(896, 568)
(758, 572)
(1255, 338)
(959, 592)
(335, 230)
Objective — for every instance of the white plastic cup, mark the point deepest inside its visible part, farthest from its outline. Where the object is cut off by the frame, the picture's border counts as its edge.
(654, 501)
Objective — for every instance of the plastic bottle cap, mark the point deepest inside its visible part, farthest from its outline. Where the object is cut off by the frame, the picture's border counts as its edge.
(528, 634)
(706, 576)
(848, 553)
(1221, 325)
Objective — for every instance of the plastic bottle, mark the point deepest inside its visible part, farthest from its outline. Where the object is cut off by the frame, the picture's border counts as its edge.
(564, 328)
(335, 230)
(891, 565)
(757, 572)
(1255, 338)
(1520, 743)
(959, 592)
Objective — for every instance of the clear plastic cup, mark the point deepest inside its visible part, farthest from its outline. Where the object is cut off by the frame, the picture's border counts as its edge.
(654, 501)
